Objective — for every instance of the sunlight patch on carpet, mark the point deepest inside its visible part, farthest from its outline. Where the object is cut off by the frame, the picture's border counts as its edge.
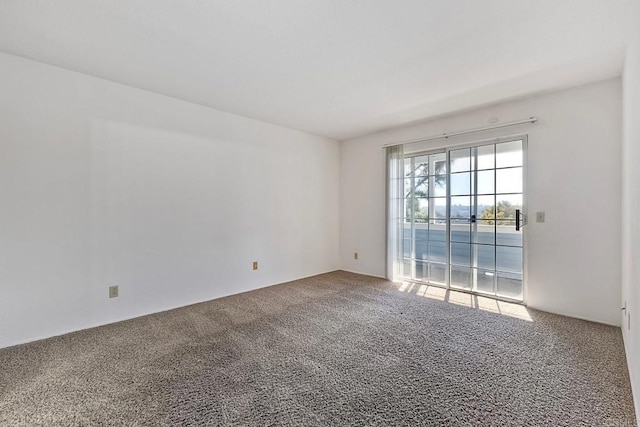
(465, 299)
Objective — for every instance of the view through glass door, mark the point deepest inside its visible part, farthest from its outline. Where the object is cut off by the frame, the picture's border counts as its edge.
(463, 218)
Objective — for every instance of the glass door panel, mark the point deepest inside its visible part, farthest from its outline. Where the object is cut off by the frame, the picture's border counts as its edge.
(425, 246)
(486, 197)
(498, 252)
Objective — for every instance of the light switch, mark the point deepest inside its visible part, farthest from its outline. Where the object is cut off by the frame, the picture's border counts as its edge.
(539, 216)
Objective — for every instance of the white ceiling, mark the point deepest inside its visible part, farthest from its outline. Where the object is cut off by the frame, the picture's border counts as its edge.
(336, 68)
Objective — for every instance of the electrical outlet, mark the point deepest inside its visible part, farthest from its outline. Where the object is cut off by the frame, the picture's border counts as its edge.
(355, 255)
(255, 265)
(113, 291)
(539, 216)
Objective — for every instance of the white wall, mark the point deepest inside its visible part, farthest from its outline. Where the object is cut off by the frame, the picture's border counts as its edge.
(631, 208)
(574, 176)
(105, 184)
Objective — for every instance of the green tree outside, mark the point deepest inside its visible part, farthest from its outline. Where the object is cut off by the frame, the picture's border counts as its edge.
(504, 210)
(421, 176)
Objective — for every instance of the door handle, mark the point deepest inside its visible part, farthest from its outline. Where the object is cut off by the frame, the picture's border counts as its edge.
(519, 223)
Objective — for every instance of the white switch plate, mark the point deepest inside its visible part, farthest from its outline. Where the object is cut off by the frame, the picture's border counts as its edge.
(539, 216)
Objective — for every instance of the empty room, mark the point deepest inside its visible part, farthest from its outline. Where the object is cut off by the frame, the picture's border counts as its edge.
(319, 213)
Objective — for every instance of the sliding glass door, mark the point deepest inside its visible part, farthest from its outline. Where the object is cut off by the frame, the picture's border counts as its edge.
(425, 218)
(463, 218)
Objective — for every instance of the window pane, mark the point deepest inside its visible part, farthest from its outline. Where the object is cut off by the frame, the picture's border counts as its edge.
(407, 188)
(509, 180)
(485, 256)
(422, 212)
(509, 259)
(437, 231)
(485, 232)
(422, 250)
(485, 207)
(407, 167)
(507, 205)
(407, 230)
(509, 285)
(418, 207)
(406, 269)
(507, 234)
(421, 186)
(486, 157)
(438, 164)
(439, 205)
(460, 230)
(461, 207)
(437, 273)
(461, 253)
(460, 183)
(484, 280)
(460, 160)
(509, 154)
(406, 248)
(439, 186)
(438, 251)
(421, 167)
(422, 270)
(486, 184)
(460, 277)
(421, 231)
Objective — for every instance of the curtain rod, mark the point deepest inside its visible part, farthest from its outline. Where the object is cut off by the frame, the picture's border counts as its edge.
(465, 132)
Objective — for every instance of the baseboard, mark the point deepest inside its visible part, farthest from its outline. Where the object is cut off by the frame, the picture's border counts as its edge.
(363, 274)
(635, 391)
(116, 320)
(143, 314)
(574, 316)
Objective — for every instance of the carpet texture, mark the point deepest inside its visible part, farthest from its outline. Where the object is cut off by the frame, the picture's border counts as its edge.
(335, 349)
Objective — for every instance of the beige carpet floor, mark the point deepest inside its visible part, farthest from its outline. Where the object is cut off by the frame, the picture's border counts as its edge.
(335, 349)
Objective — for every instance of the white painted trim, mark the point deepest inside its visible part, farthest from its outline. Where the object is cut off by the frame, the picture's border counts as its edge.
(573, 316)
(635, 394)
(365, 274)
